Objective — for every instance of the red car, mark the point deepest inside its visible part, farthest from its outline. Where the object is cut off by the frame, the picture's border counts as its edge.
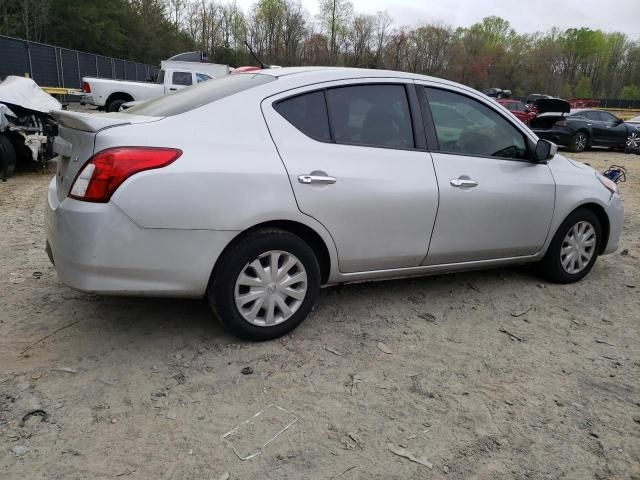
(519, 109)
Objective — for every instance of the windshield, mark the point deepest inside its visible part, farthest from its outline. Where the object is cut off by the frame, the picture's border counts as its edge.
(198, 95)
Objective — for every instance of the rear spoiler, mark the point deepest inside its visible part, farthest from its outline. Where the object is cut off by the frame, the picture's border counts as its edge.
(88, 122)
(556, 105)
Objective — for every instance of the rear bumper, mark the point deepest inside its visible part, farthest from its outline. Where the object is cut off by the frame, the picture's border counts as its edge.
(615, 212)
(87, 99)
(96, 247)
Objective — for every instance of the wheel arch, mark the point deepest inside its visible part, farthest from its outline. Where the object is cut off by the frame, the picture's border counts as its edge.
(305, 232)
(599, 211)
(118, 96)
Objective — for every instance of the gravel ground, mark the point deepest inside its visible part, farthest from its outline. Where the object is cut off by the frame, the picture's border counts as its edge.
(448, 368)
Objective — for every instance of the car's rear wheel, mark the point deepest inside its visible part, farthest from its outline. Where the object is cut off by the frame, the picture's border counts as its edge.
(115, 105)
(579, 142)
(7, 157)
(574, 248)
(265, 285)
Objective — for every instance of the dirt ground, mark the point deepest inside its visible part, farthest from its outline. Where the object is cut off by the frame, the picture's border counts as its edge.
(144, 388)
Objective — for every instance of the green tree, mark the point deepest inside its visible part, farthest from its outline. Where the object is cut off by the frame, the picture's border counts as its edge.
(335, 16)
(630, 92)
(583, 88)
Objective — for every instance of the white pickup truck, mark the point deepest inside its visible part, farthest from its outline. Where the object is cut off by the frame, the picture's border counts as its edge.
(174, 75)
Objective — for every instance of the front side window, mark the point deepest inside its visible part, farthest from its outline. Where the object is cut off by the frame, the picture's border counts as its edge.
(588, 115)
(468, 127)
(371, 115)
(308, 113)
(182, 78)
(606, 117)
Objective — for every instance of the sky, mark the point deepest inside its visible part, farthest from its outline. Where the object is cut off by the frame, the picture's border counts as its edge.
(526, 16)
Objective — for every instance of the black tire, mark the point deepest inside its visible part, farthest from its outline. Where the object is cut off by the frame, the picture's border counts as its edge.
(114, 106)
(221, 291)
(550, 266)
(7, 157)
(579, 142)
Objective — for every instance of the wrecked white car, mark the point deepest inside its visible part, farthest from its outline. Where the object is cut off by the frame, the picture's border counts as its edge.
(27, 129)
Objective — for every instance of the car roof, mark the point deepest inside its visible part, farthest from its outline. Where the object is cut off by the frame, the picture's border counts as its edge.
(337, 73)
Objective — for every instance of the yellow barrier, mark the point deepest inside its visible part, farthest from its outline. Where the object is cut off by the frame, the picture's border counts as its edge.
(61, 91)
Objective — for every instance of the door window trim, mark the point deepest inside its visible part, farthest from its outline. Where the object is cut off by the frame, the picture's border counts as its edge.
(432, 137)
(419, 140)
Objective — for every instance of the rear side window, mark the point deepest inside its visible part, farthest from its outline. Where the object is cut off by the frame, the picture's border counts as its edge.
(371, 115)
(198, 95)
(182, 78)
(308, 113)
(366, 115)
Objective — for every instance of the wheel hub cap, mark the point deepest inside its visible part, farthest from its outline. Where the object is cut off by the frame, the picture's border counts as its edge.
(578, 247)
(271, 288)
(633, 141)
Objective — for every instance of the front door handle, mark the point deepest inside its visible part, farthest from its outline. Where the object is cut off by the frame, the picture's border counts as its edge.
(314, 177)
(463, 182)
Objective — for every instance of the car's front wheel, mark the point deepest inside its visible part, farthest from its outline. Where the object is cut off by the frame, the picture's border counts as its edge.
(574, 248)
(265, 285)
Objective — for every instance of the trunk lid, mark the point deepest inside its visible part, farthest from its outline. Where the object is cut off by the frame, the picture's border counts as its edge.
(75, 142)
(556, 105)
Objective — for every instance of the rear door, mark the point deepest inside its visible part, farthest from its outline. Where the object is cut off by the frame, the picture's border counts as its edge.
(494, 203)
(356, 166)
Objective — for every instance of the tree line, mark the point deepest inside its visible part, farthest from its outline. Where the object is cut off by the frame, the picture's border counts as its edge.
(573, 63)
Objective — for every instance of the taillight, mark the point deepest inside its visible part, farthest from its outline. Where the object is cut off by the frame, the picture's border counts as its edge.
(106, 170)
(86, 88)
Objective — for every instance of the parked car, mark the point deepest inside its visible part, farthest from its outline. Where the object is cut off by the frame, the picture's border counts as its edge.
(255, 189)
(174, 75)
(497, 93)
(532, 98)
(27, 130)
(519, 109)
(581, 129)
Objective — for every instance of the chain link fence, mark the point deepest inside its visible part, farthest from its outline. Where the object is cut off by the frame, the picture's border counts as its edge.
(51, 66)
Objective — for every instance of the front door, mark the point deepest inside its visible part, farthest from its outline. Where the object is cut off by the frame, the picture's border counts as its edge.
(609, 130)
(494, 203)
(351, 156)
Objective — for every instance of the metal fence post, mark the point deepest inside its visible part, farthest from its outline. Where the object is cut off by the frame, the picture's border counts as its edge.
(79, 72)
(62, 68)
(56, 52)
(29, 55)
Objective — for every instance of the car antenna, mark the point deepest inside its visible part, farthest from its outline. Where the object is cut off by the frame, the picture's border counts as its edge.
(253, 54)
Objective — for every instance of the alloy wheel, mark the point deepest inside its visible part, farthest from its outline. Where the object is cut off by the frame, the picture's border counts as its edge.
(578, 247)
(581, 142)
(270, 288)
(633, 141)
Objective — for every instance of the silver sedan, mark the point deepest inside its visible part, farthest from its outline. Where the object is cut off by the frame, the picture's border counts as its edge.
(256, 189)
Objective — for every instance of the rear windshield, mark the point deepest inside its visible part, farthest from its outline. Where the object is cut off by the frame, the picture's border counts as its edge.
(198, 95)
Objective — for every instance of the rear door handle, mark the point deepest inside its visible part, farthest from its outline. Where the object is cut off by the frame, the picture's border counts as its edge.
(463, 182)
(314, 178)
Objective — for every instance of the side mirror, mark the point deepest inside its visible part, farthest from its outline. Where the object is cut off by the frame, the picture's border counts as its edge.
(545, 150)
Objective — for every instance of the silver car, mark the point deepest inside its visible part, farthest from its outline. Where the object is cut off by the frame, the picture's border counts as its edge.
(256, 189)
